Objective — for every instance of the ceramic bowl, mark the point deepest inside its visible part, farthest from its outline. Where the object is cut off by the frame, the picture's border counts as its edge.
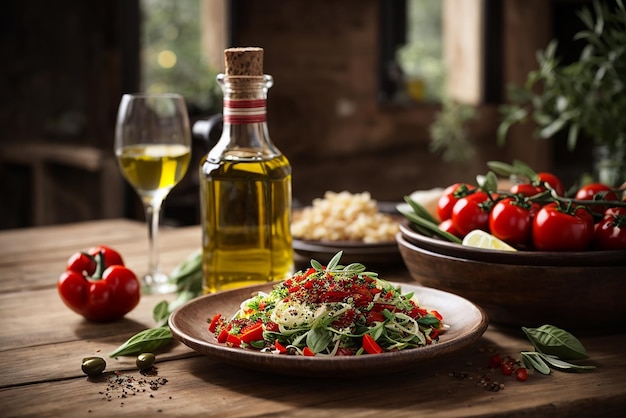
(573, 291)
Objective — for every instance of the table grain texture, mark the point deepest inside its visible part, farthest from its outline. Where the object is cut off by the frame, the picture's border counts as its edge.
(42, 344)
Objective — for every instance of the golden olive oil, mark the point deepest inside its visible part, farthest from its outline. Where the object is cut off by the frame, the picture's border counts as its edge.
(246, 209)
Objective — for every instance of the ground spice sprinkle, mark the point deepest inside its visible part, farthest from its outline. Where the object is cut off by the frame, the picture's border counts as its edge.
(121, 386)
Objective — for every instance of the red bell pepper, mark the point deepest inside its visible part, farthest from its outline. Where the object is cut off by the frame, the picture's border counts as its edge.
(370, 345)
(98, 286)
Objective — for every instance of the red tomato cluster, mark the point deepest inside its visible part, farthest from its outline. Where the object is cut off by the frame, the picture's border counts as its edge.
(527, 217)
(509, 366)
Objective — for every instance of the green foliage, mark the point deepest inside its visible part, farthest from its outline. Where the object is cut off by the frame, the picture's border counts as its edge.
(587, 96)
(421, 56)
(449, 134)
(176, 26)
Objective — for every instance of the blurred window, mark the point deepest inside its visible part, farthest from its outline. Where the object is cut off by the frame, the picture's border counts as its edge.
(174, 55)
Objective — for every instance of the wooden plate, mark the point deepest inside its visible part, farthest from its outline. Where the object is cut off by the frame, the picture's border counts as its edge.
(353, 251)
(188, 323)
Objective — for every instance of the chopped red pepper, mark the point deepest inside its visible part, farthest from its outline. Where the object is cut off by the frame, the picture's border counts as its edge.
(214, 322)
(223, 336)
(308, 352)
(370, 345)
(251, 333)
(233, 340)
(281, 348)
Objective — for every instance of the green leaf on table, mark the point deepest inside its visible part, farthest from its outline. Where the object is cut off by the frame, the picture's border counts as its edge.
(146, 341)
(533, 360)
(161, 312)
(564, 366)
(554, 341)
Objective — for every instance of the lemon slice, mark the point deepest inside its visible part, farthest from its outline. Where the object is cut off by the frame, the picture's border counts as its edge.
(481, 239)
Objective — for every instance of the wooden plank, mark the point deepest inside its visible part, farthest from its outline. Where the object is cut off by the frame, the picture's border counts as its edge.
(200, 385)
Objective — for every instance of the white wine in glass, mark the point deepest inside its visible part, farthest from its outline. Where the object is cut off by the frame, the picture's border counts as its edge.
(153, 149)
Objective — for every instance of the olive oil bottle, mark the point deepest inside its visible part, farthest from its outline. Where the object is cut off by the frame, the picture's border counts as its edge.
(245, 186)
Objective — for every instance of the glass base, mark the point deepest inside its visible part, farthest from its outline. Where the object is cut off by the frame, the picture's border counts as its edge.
(157, 284)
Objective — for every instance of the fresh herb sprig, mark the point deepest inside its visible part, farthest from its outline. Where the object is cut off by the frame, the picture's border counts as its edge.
(554, 347)
(188, 279)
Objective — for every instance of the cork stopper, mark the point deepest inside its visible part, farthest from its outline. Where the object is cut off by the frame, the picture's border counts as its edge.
(246, 61)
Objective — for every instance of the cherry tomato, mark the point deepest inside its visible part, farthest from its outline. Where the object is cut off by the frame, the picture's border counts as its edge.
(507, 368)
(525, 189)
(553, 181)
(559, 229)
(449, 228)
(521, 374)
(511, 220)
(610, 231)
(450, 196)
(471, 212)
(495, 361)
(596, 192)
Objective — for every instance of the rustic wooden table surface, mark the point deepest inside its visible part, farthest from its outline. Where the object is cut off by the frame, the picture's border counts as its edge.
(42, 344)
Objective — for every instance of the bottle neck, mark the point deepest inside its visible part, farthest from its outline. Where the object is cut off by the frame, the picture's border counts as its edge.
(244, 111)
(245, 114)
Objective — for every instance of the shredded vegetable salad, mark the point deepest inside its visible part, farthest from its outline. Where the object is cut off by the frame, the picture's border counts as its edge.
(327, 311)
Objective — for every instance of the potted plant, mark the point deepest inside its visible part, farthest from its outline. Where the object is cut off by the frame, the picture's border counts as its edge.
(586, 97)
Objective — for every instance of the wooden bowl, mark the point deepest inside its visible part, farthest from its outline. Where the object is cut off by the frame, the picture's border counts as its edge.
(530, 258)
(525, 294)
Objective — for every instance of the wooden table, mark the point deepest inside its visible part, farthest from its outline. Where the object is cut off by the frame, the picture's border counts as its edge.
(42, 344)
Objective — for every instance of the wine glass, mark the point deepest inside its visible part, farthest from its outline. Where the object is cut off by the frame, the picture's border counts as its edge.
(153, 149)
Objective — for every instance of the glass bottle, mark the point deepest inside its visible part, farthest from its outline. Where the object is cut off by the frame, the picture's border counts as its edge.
(245, 193)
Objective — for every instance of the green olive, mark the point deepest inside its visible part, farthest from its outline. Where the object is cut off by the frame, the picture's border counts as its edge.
(145, 361)
(93, 366)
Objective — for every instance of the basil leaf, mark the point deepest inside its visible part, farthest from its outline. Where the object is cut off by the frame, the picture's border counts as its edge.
(429, 319)
(564, 365)
(187, 267)
(161, 312)
(533, 360)
(552, 340)
(146, 341)
(318, 339)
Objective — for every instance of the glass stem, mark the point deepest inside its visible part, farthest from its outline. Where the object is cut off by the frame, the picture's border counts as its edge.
(152, 218)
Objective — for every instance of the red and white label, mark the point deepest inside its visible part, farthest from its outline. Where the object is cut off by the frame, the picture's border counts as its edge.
(238, 112)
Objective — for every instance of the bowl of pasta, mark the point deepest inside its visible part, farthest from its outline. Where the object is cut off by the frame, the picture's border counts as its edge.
(354, 223)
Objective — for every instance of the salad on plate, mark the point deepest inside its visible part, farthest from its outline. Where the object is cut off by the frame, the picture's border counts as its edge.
(330, 310)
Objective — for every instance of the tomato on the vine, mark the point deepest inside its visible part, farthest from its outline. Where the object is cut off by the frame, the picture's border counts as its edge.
(472, 212)
(552, 181)
(596, 192)
(557, 228)
(537, 185)
(610, 231)
(449, 197)
(449, 228)
(525, 189)
(511, 220)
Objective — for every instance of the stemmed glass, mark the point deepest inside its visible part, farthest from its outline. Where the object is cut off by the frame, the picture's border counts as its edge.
(153, 149)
